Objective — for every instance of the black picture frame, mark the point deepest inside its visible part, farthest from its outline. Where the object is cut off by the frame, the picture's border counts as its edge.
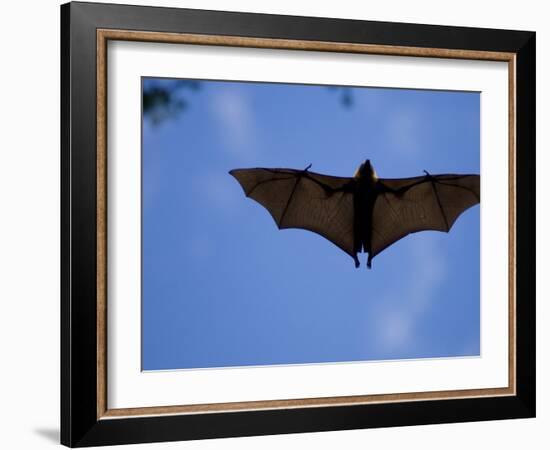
(80, 425)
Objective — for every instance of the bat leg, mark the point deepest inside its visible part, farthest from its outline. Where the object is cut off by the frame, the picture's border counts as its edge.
(369, 262)
(356, 259)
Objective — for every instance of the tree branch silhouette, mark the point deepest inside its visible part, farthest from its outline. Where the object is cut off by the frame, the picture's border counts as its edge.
(167, 99)
(162, 100)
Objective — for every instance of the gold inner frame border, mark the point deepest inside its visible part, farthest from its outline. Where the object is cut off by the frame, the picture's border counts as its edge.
(103, 36)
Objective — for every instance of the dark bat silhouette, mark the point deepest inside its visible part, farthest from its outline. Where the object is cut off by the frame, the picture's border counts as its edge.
(363, 213)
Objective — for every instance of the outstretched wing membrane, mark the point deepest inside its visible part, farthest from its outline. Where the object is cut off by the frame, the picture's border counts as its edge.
(301, 199)
(408, 205)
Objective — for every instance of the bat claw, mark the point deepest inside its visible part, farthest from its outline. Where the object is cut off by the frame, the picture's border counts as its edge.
(356, 262)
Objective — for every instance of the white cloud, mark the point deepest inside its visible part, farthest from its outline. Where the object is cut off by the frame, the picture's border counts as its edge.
(231, 107)
(405, 302)
(395, 329)
(428, 274)
(402, 131)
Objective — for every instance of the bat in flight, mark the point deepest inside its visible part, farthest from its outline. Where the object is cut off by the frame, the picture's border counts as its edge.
(363, 212)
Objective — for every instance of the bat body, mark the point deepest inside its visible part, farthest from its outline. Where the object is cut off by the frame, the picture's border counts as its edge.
(362, 213)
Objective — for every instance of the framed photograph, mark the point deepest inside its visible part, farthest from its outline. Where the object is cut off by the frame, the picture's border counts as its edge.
(398, 161)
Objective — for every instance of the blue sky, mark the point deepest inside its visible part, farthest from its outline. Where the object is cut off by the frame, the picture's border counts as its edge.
(222, 286)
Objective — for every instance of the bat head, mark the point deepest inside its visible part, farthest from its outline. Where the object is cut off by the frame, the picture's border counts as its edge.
(366, 171)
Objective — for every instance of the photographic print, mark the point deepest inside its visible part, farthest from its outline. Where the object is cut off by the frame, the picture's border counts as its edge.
(376, 191)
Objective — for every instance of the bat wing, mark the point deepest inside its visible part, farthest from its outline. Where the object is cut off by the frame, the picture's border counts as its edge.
(301, 199)
(408, 205)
